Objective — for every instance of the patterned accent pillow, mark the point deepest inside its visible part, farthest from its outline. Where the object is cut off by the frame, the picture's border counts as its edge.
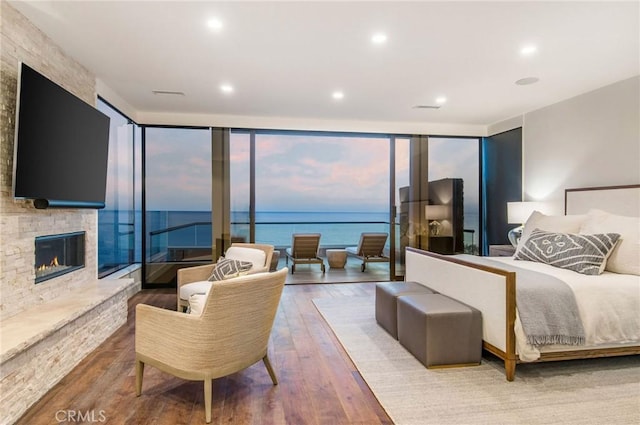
(586, 254)
(226, 269)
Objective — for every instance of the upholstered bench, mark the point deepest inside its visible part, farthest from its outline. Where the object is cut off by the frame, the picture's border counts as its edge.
(439, 331)
(387, 294)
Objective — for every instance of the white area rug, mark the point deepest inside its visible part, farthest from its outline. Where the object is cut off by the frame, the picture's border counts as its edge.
(597, 391)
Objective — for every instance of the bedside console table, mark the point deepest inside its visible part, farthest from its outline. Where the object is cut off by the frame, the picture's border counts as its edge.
(501, 250)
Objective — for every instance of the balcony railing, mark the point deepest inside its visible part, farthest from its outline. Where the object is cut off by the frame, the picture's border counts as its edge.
(193, 241)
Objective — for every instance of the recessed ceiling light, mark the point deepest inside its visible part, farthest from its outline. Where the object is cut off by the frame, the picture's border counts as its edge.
(441, 100)
(338, 95)
(426, 107)
(168, 92)
(226, 88)
(379, 38)
(528, 50)
(214, 24)
(526, 81)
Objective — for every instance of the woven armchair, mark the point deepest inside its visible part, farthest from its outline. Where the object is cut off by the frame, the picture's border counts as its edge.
(189, 275)
(231, 334)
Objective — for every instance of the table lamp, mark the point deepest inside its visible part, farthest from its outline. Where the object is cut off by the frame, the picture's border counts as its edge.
(518, 213)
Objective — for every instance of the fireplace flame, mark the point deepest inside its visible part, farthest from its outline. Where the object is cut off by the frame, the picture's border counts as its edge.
(53, 263)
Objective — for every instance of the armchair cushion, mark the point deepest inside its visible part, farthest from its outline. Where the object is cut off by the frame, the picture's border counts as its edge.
(227, 268)
(196, 303)
(257, 257)
(202, 287)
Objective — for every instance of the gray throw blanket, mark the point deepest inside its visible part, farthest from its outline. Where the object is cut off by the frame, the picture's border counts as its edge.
(546, 305)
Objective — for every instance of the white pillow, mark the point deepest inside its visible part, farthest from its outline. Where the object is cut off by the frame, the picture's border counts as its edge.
(201, 287)
(256, 256)
(550, 223)
(625, 257)
(196, 303)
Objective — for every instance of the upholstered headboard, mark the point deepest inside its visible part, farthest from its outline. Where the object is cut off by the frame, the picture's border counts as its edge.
(620, 200)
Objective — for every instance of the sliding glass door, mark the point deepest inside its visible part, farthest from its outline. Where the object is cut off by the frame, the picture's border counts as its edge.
(177, 196)
(459, 159)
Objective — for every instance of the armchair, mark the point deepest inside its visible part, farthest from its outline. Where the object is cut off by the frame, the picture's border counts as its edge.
(231, 334)
(196, 277)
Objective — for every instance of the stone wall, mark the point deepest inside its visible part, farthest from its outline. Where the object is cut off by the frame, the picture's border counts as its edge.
(39, 348)
(27, 376)
(20, 222)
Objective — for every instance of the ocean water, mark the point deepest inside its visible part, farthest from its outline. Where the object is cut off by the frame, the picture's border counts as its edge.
(276, 228)
(193, 229)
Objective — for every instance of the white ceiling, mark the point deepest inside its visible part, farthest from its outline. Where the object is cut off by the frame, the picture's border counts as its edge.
(286, 58)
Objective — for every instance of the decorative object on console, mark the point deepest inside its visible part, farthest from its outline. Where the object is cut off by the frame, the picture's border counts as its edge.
(435, 213)
(518, 213)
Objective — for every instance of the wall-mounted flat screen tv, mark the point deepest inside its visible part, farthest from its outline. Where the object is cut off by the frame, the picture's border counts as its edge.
(61, 146)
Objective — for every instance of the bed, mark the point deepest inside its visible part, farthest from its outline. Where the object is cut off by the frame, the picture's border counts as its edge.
(489, 284)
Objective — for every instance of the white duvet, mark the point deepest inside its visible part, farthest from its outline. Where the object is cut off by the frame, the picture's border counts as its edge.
(609, 306)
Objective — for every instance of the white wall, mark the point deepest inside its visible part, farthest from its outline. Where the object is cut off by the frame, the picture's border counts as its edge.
(589, 140)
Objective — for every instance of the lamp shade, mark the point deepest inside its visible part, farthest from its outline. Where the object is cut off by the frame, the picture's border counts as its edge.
(436, 212)
(519, 212)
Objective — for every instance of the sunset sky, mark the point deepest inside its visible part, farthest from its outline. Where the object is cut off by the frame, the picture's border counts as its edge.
(294, 172)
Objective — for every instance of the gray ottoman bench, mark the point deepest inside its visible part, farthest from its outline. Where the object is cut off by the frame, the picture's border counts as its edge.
(439, 331)
(387, 294)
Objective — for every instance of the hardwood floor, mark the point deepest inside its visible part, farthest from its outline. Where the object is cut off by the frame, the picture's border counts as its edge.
(318, 383)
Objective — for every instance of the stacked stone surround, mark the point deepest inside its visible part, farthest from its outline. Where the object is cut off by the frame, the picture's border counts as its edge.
(20, 222)
(27, 374)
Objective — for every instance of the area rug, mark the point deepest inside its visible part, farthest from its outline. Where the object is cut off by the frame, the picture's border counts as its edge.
(595, 391)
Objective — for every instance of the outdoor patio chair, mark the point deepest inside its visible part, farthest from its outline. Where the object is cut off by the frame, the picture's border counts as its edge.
(304, 250)
(370, 249)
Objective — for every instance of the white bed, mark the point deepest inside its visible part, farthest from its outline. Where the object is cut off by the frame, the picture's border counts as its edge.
(609, 304)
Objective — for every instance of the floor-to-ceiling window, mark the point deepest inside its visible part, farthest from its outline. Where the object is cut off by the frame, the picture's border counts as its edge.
(177, 200)
(281, 182)
(402, 180)
(459, 158)
(336, 185)
(240, 183)
(118, 223)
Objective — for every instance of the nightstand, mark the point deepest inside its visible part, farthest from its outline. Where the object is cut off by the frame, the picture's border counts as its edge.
(501, 250)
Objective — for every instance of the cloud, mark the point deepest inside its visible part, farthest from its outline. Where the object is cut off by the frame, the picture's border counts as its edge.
(295, 171)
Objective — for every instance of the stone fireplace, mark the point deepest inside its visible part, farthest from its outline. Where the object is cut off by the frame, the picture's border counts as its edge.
(58, 254)
(46, 328)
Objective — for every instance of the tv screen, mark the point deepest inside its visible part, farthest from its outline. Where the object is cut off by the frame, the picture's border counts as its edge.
(61, 146)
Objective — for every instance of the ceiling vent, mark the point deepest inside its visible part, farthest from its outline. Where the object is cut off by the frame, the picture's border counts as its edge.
(426, 107)
(168, 92)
